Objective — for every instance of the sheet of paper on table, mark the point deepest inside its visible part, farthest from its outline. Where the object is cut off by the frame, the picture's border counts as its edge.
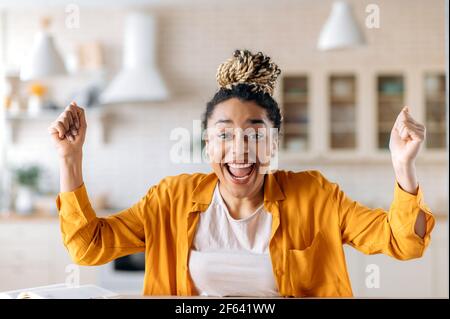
(60, 291)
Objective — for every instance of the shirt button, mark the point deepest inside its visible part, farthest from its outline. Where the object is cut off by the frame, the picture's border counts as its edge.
(279, 272)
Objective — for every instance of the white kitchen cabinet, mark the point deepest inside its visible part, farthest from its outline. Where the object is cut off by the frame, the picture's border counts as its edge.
(32, 254)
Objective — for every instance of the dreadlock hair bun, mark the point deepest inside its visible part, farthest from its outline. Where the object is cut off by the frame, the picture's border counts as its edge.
(256, 70)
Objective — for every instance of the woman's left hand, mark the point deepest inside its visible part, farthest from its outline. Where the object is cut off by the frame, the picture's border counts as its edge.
(407, 136)
(406, 139)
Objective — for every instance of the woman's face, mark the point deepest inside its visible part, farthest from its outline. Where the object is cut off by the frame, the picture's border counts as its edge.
(240, 143)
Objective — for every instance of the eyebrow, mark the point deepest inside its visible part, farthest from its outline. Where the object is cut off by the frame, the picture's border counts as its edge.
(250, 121)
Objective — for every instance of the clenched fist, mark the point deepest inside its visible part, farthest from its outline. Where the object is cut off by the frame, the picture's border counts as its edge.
(68, 131)
(407, 136)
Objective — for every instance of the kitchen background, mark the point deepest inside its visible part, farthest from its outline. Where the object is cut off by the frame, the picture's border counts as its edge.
(338, 105)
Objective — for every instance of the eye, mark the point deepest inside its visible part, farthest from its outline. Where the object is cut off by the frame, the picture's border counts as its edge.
(256, 136)
(224, 136)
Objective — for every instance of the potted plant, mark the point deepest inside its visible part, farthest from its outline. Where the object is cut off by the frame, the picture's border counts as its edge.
(27, 179)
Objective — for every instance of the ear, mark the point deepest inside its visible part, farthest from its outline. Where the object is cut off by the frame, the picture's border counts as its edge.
(274, 142)
(206, 150)
(274, 147)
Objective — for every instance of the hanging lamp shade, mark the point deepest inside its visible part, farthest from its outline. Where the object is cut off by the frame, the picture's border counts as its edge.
(341, 30)
(43, 59)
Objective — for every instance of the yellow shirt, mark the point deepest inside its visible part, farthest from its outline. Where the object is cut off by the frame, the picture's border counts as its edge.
(311, 220)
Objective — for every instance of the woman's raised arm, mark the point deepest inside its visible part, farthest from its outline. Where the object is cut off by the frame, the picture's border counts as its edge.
(89, 239)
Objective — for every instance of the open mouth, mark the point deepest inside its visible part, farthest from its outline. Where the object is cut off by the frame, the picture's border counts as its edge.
(240, 173)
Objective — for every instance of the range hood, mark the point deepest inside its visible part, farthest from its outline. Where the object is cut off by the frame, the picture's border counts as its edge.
(139, 79)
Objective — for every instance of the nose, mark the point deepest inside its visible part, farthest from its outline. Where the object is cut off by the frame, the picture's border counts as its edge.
(240, 146)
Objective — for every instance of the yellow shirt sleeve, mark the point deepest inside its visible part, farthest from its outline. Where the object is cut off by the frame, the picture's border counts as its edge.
(374, 231)
(91, 240)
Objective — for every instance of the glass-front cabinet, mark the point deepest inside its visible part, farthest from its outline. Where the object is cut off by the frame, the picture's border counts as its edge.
(390, 101)
(342, 102)
(348, 115)
(295, 113)
(434, 89)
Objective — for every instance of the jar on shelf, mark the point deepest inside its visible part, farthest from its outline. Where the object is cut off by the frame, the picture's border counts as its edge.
(36, 101)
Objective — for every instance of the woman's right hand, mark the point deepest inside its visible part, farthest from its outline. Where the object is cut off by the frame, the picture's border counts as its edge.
(68, 131)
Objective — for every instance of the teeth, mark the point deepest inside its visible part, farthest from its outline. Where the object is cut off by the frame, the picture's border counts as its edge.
(236, 165)
(243, 177)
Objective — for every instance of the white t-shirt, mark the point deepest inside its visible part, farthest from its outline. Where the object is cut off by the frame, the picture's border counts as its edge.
(230, 257)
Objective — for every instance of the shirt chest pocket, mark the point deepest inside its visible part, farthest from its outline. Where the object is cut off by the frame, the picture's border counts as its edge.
(311, 271)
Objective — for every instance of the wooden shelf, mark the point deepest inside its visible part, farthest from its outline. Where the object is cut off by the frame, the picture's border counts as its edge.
(296, 98)
(345, 101)
(435, 99)
(436, 127)
(295, 127)
(382, 97)
(385, 126)
(342, 128)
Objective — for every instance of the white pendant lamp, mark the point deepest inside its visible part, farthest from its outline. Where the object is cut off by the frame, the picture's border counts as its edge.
(139, 79)
(43, 59)
(341, 29)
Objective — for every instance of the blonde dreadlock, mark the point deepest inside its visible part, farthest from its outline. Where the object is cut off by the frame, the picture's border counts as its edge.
(256, 70)
(247, 77)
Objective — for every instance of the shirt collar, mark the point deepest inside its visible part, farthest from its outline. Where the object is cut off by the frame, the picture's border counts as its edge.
(204, 191)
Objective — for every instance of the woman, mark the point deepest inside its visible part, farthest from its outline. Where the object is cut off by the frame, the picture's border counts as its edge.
(243, 230)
